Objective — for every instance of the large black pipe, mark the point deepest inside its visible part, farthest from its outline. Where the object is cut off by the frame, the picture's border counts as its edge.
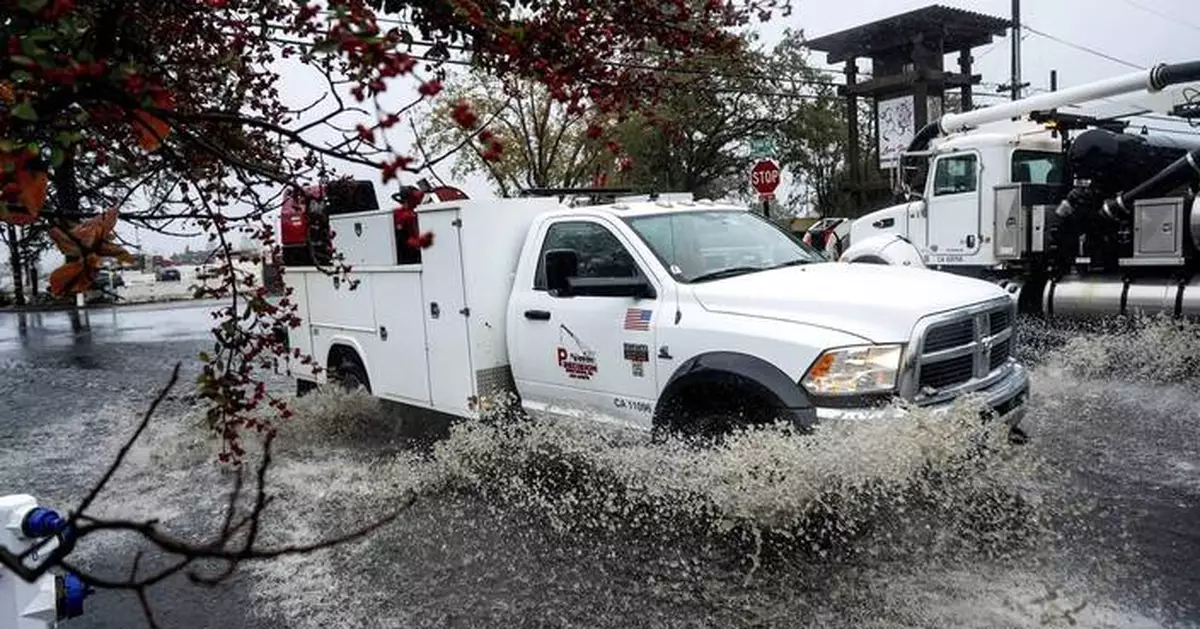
(1168, 74)
(1184, 170)
(921, 140)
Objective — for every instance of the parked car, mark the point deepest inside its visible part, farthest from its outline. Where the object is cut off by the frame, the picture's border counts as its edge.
(107, 281)
(667, 316)
(168, 275)
(830, 235)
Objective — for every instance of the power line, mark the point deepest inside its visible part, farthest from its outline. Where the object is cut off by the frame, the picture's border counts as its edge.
(1174, 19)
(410, 25)
(627, 65)
(1091, 51)
(688, 87)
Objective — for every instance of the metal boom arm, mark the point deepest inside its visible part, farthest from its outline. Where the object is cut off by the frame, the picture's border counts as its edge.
(1153, 80)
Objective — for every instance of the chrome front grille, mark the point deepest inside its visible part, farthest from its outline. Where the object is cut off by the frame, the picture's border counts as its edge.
(961, 351)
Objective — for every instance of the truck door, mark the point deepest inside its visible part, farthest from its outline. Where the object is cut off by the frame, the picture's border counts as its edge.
(954, 203)
(586, 356)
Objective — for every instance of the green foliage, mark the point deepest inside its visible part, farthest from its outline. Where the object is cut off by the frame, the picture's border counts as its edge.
(813, 138)
(545, 142)
(699, 138)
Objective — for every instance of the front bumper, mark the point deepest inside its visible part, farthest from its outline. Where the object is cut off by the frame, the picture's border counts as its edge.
(1007, 397)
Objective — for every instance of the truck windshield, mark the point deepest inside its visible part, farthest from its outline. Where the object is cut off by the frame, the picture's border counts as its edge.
(1038, 167)
(709, 245)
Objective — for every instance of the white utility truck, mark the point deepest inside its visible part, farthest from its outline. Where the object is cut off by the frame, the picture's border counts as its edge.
(1073, 215)
(687, 316)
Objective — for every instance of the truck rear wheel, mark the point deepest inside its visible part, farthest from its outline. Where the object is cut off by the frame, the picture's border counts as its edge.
(347, 372)
(304, 387)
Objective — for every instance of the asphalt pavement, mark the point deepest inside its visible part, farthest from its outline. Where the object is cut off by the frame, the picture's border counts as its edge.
(1092, 524)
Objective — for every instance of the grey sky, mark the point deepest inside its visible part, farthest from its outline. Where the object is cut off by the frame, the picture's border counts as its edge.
(1135, 31)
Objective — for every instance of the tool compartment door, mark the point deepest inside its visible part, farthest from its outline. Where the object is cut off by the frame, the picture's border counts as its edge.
(401, 368)
(451, 374)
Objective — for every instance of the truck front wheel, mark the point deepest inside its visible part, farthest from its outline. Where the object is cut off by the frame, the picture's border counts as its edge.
(709, 413)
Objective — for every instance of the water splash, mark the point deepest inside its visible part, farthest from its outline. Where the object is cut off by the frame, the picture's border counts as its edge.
(1144, 349)
(770, 492)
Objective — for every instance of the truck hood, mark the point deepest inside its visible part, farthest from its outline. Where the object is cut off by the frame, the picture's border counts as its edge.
(877, 302)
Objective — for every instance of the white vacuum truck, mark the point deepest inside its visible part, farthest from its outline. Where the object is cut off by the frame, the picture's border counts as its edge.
(1072, 215)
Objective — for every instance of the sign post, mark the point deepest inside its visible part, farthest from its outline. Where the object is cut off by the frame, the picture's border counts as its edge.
(764, 177)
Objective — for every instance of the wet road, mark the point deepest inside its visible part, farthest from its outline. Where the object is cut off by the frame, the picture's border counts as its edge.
(1093, 524)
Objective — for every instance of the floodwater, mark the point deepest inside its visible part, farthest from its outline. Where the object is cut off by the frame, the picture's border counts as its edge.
(517, 524)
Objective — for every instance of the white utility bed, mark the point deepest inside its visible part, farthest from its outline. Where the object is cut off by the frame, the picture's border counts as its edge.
(430, 334)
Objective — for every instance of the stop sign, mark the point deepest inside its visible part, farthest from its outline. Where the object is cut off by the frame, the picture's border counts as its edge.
(765, 177)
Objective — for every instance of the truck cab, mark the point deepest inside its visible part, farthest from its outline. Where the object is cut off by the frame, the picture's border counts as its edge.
(953, 222)
(656, 315)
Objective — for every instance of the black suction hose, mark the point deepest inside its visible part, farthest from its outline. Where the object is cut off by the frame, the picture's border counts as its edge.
(1167, 74)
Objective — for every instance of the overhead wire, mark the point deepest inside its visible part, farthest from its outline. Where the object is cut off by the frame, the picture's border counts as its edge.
(620, 64)
(1081, 47)
(690, 87)
(713, 73)
(1174, 19)
(408, 24)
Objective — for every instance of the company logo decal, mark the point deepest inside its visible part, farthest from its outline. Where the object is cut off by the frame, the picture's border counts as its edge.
(638, 354)
(579, 363)
(578, 366)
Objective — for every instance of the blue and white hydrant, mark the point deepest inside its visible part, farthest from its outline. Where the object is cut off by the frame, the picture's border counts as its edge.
(52, 597)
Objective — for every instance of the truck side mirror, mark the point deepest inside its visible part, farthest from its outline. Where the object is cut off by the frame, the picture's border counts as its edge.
(560, 264)
(911, 193)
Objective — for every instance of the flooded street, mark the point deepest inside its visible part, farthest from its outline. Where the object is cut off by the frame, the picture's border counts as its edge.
(922, 524)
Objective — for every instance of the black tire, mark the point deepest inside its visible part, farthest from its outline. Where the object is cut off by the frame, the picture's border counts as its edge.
(709, 417)
(304, 387)
(711, 425)
(350, 375)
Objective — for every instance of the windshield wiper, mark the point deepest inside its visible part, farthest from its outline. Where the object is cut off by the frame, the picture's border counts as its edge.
(796, 262)
(730, 272)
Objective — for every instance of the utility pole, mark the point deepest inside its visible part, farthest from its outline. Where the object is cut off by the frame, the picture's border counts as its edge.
(1015, 86)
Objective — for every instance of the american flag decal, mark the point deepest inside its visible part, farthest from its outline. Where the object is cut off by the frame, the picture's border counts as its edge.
(638, 319)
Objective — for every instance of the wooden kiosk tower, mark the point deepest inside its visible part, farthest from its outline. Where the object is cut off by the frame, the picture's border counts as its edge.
(908, 83)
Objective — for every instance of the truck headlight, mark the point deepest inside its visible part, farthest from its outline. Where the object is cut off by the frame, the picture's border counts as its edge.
(854, 370)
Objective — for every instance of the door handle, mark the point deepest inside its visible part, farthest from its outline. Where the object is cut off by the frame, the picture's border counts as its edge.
(538, 315)
(882, 223)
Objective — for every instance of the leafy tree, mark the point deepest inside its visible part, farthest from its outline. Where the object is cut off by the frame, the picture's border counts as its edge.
(534, 140)
(694, 139)
(103, 99)
(812, 138)
(697, 139)
(25, 245)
